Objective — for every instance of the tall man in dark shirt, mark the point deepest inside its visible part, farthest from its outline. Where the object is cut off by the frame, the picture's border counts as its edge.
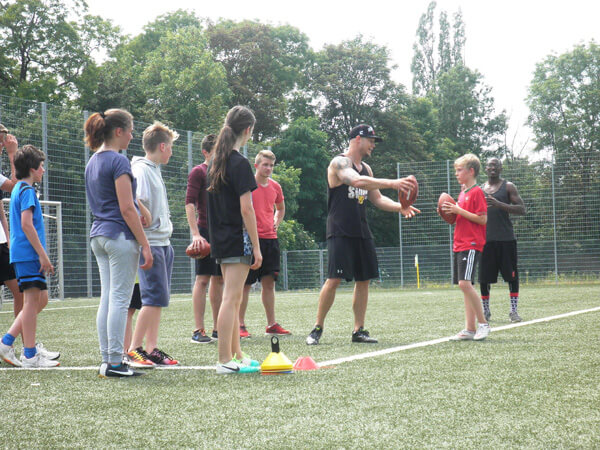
(500, 251)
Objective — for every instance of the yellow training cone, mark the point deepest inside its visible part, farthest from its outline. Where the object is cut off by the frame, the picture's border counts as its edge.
(276, 361)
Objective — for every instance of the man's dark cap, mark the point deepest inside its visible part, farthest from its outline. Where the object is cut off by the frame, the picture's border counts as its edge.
(365, 131)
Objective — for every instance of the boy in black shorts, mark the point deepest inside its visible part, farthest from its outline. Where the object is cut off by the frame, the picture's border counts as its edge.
(350, 244)
(268, 197)
(500, 251)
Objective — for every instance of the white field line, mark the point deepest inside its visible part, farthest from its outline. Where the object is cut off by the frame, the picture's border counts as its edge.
(62, 308)
(401, 348)
(333, 362)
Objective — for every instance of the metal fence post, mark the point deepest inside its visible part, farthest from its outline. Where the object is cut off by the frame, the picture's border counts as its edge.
(285, 270)
(88, 223)
(190, 167)
(45, 150)
(400, 237)
(320, 267)
(554, 224)
(450, 226)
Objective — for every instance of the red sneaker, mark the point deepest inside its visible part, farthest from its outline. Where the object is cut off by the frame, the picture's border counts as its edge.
(243, 332)
(160, 358)
(276, 330)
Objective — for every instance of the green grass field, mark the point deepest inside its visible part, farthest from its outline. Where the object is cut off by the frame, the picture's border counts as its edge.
(531, 386)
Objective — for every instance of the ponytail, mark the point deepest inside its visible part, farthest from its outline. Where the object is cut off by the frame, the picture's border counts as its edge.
(100, 126)
(238, 119)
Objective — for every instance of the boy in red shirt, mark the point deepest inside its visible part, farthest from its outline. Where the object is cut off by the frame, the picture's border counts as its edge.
(469, 240)
(269, 207)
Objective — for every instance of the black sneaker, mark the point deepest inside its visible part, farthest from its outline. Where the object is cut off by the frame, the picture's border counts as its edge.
(362, 335)
(121, 371)
(314, 336)
(215, 335)
(200, 337)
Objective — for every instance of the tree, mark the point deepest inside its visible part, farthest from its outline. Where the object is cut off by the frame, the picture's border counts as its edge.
(564, 100)
(304, 146)
(352, 81)
(427, 65)
(47, 45)
(264, 64)
(165, 73)
(466, 112)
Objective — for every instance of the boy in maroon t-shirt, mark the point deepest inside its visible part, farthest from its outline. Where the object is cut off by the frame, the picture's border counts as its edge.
(469, 239)
(269, 207)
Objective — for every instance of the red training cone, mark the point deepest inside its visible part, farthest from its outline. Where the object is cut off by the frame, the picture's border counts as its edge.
(305, 363)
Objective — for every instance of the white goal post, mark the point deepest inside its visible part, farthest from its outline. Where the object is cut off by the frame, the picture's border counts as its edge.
(52, 213)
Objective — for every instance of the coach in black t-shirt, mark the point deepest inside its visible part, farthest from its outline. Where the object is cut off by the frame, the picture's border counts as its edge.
(350, 244)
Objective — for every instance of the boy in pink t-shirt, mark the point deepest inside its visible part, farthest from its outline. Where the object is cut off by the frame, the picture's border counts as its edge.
(269, 207)
(469, 240)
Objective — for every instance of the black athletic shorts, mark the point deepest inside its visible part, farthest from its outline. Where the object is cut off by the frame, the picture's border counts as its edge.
(207, 265)
(270, 264)
(499, 256)
(351, 258)
(7, 271)
(136, 298)
(465, 266)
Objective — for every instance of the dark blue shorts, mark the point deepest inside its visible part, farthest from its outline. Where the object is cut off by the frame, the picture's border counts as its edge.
(7, 271)
(155, 283)
(29, 275)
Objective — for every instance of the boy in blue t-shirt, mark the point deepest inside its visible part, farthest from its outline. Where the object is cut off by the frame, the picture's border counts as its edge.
(28, 254)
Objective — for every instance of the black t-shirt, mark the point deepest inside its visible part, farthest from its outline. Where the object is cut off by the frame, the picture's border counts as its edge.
(225, 223)
(347, 210)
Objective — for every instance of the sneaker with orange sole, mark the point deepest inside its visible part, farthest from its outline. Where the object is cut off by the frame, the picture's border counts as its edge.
(138, 359)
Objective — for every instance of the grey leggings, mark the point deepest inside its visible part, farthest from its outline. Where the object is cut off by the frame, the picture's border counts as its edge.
(117, 262)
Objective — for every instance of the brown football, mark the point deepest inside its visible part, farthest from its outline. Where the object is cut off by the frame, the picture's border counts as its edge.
(448, 217)
(200, 253)
(409, 196)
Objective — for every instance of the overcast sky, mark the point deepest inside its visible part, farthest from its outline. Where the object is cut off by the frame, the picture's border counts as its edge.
(504, 39)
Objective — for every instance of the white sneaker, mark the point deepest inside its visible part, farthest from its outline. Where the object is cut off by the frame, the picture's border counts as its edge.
(7, 353)
(464, 335)
(39, 347)
(482, 332)
(38, 361)
(228, 368)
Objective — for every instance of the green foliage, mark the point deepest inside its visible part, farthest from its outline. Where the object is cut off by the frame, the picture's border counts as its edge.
(263, 64)
(293, 236)
(304, 146)
(466, 111)
(565, 116)
(289, 179)
(47, 45)
(427, 64)
(352, 82)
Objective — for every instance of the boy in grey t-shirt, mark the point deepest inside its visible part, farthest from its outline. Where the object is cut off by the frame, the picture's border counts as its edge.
(155, 284)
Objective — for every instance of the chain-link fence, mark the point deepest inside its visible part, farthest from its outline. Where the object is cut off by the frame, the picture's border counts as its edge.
(558, 237)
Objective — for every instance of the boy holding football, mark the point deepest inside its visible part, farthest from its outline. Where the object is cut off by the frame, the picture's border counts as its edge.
(469, 240)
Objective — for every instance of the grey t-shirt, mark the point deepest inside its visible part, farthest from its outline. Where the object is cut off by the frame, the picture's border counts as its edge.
(152, 192)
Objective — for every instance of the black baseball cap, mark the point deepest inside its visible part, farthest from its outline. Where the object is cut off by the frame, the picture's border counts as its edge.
(366, 131)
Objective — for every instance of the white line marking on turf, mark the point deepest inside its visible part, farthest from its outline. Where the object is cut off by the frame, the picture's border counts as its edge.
(85, 368)
(400, 348)
(332, 362)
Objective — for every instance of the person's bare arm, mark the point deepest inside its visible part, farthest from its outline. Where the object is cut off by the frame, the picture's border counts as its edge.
(145, 216)
(34, 240)
(4, 222)
(279, 214)
(341, 166)
(129, 213)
